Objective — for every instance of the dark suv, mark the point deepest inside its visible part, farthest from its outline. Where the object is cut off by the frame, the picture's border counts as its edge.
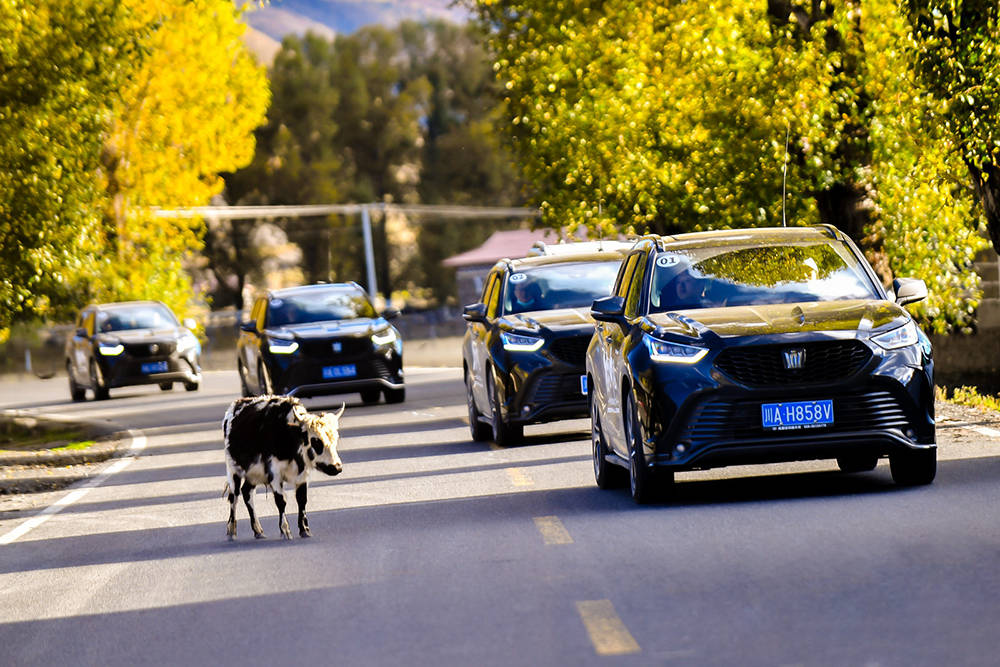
(757, 346)
(524, 346)
(130, 343)
(320, 339)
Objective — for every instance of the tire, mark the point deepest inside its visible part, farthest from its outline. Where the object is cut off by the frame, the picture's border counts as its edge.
(606, 474)
(857, 462)
(913, 467)
(504, 433)
(370, 396)
(101, 392)
(265, 379)
(76, 392)
(244, 388)
(166, 386)
(645, 486)
(478, 429)
(394, 395)
(191, 386)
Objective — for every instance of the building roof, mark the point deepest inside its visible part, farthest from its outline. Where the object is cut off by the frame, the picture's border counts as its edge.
(513, 243)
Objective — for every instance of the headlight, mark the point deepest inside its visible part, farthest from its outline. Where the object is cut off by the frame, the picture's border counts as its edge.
(903, 336)
(519, 343)
(282, 346)
(384, 337)
(109, 350)
(674, 353)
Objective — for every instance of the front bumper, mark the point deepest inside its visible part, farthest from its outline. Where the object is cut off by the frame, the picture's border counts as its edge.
(126, 371)
(303, 376)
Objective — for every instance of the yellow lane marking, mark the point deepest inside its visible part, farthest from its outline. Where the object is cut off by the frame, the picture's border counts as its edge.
(607, 632)
(552, 529)
(519, 477)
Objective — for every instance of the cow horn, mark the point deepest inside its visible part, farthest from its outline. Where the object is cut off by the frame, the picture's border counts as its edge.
(341, 411)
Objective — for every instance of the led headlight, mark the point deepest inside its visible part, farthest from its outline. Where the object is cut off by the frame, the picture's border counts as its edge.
(520, 343)
(674, 353)
(282, 346)
(899, 337)
(384, 337)
(109, 350)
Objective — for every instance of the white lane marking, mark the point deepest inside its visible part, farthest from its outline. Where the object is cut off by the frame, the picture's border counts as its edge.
(138, 444)
(984, 430)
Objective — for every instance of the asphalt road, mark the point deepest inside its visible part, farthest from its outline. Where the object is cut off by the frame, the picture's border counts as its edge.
(431, 549)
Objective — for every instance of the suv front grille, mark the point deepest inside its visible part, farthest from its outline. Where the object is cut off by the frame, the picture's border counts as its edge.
(349, 347)
(572, 349)
(763, 365)
(556, 389)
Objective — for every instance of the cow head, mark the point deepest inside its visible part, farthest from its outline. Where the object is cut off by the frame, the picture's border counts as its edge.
(323, 433)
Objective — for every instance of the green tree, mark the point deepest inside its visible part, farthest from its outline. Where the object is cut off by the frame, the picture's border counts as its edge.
(638, 115)
(60, 66)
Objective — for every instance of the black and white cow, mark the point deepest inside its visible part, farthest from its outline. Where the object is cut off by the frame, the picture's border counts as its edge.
(274, 440)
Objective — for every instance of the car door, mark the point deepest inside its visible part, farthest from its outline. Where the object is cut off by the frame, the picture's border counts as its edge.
(249, 345)
(607, 396)
(478, 344)
(82, 346)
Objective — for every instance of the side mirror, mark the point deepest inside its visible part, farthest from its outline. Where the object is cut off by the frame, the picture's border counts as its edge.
(189, 323)
(249, 327)
(609, 309)
(390, 313)
(81, 333)
(909, 290)
(474, 312)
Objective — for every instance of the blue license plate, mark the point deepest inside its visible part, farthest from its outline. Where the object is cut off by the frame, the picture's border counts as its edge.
(155, 367)
(344, 371)
(795, 415)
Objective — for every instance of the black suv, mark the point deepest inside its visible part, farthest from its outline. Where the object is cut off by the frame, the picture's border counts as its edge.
(524, 346)
(130, 343)
(320, 339)
(757, 346)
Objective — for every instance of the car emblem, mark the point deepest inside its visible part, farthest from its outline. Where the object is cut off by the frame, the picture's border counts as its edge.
(338, 346)
(795, 358)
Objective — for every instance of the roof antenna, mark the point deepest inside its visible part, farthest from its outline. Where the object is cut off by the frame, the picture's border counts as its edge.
(784, 175)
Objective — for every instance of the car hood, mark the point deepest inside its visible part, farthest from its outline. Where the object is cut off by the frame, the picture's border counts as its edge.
(562, 318)
(333, 328)
(143, 335)
(863, 316)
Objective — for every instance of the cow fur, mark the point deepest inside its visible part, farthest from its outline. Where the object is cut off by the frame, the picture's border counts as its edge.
(273, 441)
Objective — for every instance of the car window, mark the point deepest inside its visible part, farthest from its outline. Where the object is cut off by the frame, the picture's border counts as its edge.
(139, 316)
(563, 285)
(705, 277)
(625, 275)
(635, 286)
(493, 298)
(318, 306)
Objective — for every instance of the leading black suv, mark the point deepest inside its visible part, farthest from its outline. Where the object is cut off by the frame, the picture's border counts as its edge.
(757, 346)
(320, 339)
(524, 346)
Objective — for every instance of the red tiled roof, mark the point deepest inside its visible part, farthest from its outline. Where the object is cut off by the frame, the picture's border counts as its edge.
(514, 243)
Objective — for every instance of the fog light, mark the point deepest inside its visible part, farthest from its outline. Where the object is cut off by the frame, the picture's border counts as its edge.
(526, 409)
(680, 449)
(910, 434)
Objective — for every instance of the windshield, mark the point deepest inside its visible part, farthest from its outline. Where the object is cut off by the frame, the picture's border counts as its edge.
(565, 285)
(689, 278)
(318, 306)
(144, 316)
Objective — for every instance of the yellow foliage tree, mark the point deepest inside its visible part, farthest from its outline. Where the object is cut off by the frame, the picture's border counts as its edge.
(186, 115)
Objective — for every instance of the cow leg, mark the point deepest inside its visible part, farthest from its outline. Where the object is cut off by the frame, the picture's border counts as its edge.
(248, 489)
(300, 499)
(279, 500)
(233, 488)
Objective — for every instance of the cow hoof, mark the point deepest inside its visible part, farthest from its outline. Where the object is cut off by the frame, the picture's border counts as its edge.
(231, 537)
(304, 534)
(260, 536)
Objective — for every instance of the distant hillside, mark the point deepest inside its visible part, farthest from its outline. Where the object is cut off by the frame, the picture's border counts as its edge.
(330, 17)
